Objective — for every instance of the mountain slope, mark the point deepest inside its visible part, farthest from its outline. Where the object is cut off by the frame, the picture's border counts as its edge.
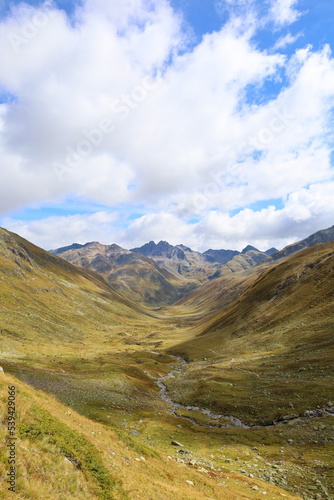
(323, 236)
(220, 256)
(135, 276)
(44, 299)
(281, 330)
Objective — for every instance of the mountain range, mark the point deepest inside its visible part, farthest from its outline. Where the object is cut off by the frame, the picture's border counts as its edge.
(159, 274)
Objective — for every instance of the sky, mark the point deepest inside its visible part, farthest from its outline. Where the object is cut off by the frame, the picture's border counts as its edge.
(207, 123)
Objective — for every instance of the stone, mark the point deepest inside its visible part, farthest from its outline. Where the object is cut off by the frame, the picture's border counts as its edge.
(74, 461)
(176, 443)
(190, 483)
(255, 488)
(134, 433)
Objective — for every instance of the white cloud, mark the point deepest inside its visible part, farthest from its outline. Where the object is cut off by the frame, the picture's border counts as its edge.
(305, 212)
(284, 11)
(55, 232)
(179, 119)
(286, 40)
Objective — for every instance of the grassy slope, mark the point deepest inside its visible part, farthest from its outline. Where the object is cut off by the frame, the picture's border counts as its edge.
(112, 465)
(270, 354)
(280, 328)
(203, 303)
(49, 303)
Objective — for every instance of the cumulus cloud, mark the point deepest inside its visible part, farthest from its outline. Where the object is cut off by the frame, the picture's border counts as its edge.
(284, 11)
(304, 212)
(114, 105)
(54, 232)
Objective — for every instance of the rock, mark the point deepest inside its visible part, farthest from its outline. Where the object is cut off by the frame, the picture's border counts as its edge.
(74, 461)
(290, 417)
(190, 483)
(255, 488)
(176, 443)
(184, 452)
(134, 433)
(1, 370)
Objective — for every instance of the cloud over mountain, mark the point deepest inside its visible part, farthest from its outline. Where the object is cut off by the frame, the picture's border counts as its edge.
(119, 106)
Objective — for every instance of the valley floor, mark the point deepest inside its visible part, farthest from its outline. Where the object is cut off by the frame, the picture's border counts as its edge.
(119, 389)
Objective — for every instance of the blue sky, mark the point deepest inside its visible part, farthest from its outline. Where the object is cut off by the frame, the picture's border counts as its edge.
(204, 16)
(221, 118)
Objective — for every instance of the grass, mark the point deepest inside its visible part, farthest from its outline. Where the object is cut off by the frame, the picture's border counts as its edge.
(109, 463)
(43, 427)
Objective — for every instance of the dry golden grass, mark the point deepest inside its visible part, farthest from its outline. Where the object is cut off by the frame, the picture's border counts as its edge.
(112, 467)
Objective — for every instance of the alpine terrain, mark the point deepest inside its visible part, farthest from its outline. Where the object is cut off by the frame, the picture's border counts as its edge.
(162, 373)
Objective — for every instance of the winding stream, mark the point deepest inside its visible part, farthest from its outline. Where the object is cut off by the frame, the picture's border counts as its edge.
(234, 421)
(229, 421)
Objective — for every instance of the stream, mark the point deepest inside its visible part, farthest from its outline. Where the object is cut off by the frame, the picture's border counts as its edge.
(233, 421)
(229, 420)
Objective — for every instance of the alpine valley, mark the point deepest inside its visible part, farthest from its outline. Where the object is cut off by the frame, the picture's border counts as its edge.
(163, 373)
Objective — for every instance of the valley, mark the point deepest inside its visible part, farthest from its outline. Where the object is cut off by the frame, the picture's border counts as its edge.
(237, 369)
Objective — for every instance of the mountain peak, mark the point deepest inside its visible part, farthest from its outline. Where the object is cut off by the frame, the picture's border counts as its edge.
(152, 249)
(74, 246)
(271, 251)
(249, 248)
